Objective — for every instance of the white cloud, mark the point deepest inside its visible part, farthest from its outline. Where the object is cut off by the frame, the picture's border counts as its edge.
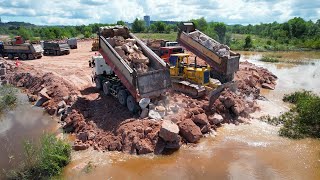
(74, 12)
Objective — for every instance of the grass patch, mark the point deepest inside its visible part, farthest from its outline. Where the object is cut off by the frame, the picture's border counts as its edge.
(303, 120)
(170, 36)
(269, 59)
(8, 97)
(43, 160)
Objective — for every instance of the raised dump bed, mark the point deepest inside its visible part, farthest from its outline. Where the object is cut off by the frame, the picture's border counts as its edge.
(142, 73)
(224, 62)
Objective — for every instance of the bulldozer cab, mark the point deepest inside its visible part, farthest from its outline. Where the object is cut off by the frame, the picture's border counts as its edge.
(180, 66)
(177, 63)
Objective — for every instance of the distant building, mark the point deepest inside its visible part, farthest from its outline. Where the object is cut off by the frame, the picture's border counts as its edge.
(147, 20)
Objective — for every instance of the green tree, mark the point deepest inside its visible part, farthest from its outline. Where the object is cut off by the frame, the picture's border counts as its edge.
(298, 26)
(160, 26)
(138, 26)
(24, 33)
(221, 29)
(200, 24)
(120, 23)
(248, 43)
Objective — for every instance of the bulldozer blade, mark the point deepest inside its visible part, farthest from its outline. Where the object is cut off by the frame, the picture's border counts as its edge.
(214, 95)
(193, 90)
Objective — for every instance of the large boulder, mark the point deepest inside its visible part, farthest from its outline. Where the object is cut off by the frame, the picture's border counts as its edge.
(268, 86)
(169, 131)
(200, 119)
(143, 147)
(215, 119)
(190, 131)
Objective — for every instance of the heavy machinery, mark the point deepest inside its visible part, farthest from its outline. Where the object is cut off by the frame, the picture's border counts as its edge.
(223, 62)
(115, 77)
(73, 43)
(55, 48)
(165, 52)
(187, 77)
(18, 40)
(23, 51)
(95, 45)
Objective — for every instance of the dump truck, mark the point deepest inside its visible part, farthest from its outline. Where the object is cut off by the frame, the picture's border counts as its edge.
(124, 81)
(73, 43)
(22, 51)
(223, 62)
(55, 48)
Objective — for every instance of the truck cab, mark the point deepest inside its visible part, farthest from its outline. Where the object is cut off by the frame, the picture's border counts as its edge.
(165, 52)
(18, 40)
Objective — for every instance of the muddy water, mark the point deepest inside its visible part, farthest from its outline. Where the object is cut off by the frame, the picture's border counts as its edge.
(247, 151)
(24, 122)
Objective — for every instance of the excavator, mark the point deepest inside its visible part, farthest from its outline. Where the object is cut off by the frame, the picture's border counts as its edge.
(196, 80)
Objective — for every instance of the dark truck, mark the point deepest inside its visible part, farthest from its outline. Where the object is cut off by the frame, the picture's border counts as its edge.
(55, 49)
(22, 51)
(125, 82)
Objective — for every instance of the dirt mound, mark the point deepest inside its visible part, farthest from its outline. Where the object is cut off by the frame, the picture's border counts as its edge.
(41, 85)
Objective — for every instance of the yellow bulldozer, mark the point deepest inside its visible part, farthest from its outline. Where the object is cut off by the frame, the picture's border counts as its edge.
(189, 77)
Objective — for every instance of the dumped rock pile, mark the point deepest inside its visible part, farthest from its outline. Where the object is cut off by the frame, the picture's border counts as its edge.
(44, 89)
(250, 78)
(127, 48)
(220, 49)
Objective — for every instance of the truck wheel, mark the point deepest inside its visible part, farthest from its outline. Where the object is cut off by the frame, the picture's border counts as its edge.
(122, 97)
(68, 52)
(98, 83)
(30, 56)
(131, 104)
(10, 56)
(23, 56)
(106, 88)
(58, 53)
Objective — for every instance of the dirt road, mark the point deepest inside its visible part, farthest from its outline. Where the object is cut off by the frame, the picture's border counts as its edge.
(73, 67)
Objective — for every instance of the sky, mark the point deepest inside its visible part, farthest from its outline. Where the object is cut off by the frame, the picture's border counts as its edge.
(77, 12)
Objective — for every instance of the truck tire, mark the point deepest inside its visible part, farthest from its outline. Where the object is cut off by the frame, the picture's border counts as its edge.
(58, 53)
(30, 56)
(10, 56)
(68, 52)
(106, 88)
(122, 97)
(98, 83)
(23, 56)
(131, 104)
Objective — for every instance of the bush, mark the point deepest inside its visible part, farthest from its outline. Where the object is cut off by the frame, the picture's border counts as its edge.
(44, 160)
(301, 121)
(8, 97)
(269, 59)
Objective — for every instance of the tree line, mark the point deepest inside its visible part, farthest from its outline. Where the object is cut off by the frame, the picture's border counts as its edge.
(295, 33)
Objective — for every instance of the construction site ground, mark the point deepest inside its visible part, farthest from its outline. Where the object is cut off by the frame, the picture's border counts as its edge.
(100, 121)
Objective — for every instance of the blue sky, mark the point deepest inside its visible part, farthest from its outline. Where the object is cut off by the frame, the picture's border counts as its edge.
(76, 12)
